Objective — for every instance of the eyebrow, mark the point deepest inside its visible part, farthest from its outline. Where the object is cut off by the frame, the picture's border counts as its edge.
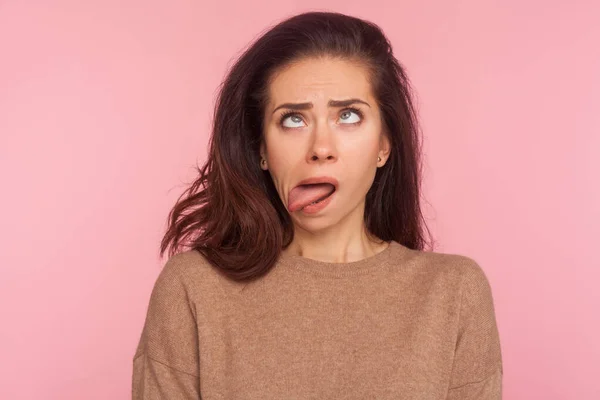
(332, 103)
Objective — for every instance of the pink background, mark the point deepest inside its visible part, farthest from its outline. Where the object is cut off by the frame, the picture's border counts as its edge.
(105, 107)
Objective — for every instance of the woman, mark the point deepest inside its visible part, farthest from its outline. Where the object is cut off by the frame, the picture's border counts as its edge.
(305, 275)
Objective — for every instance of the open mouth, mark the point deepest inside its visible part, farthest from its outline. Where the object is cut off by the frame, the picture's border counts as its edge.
(309, 195)
(322, 198)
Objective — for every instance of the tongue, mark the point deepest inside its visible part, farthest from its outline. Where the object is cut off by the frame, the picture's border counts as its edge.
(303, 195)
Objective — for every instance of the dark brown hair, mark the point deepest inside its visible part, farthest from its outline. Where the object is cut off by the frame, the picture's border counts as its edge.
(232, 213)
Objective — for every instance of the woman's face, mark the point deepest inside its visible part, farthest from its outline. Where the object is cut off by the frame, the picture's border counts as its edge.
(306, 136)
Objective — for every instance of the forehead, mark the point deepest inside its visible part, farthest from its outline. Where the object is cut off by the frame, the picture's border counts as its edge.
(311, 79)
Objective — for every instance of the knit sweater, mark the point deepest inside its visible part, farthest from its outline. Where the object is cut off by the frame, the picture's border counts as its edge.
(401, 324)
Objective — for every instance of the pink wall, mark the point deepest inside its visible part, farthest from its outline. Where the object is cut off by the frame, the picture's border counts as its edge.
(104, 109)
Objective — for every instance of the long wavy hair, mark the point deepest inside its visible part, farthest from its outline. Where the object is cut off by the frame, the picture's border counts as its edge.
(232, 213)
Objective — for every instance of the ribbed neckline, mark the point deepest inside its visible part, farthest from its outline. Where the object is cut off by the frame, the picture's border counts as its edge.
(323, 268)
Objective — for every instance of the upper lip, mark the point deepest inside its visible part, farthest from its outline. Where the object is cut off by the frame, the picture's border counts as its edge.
(320, 179)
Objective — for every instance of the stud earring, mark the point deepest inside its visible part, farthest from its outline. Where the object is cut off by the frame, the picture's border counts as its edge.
(379, 159)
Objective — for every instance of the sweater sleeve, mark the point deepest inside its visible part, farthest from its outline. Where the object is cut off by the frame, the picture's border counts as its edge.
(477, 368)
(166, 364)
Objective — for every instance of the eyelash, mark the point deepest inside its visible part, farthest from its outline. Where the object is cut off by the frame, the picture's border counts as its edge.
(290, 113)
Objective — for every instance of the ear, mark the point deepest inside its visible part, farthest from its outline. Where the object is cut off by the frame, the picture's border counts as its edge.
(385, 146)
(263, 154)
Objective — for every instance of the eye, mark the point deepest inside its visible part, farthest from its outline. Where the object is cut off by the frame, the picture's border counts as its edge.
(291, 120)
(351, 116)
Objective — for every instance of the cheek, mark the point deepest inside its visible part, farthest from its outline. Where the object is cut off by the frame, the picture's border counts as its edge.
(283, 158)
(361, 151)
(359, 167)
(360, 164)
(283, 153)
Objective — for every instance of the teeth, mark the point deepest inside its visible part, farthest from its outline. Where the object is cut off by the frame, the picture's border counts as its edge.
(313, 203)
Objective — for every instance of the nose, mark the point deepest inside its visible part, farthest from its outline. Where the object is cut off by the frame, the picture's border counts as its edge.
(323, 145)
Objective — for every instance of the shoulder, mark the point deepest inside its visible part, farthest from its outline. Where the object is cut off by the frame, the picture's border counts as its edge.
(464, 276)
(181, 267)
(460, 281)
(187, 273)
(456, 272)
(184, 264)
(436, 261)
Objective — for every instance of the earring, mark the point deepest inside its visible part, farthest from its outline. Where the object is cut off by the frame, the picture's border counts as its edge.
(263, 162)
(379, 159)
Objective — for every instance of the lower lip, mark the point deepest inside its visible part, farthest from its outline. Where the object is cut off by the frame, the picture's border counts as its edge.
(315, 208)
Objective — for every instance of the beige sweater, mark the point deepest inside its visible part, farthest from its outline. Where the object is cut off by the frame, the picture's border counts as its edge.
(402, 324)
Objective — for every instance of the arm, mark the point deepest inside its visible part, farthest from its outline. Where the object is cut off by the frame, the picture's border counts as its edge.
(477, 369)
(165, 364)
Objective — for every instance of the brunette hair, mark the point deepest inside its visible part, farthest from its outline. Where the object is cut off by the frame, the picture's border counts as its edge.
(232, 214)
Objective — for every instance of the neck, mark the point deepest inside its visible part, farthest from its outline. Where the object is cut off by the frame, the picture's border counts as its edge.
(335, 248)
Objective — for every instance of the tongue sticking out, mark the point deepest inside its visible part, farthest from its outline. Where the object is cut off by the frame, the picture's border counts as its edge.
(303, 195)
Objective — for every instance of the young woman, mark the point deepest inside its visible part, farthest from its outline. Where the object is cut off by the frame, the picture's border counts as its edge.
(303, 273)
